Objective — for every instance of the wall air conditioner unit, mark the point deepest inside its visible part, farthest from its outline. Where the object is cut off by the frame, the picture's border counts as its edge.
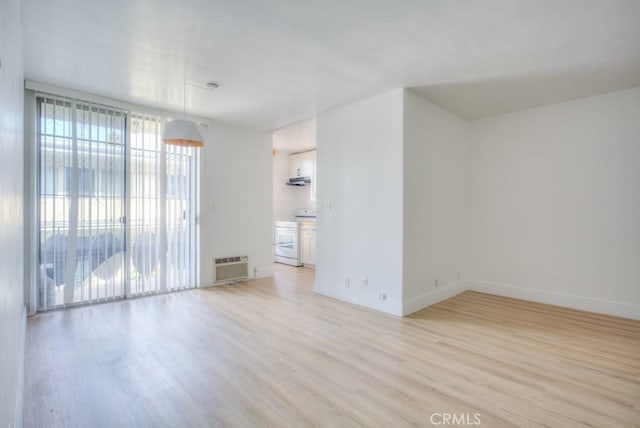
(230, 269)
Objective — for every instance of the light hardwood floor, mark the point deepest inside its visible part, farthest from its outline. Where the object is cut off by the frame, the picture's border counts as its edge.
(271, 353)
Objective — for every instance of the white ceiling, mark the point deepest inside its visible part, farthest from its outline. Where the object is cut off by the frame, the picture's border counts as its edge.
(295, 138)
(281, 61)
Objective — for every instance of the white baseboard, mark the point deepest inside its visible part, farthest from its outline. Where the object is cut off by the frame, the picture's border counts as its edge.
(18, 415)
(608, 307)
(264, 271)
(590, 304)
(431, 298)
(370, 300)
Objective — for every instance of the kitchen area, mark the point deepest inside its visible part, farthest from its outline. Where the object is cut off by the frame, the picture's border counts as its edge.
(294, 194)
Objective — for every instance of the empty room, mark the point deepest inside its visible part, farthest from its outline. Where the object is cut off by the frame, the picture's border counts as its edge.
(319, 213)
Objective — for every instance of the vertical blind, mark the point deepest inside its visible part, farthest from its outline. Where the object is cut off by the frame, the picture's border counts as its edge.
(161, 209)
(117, 206)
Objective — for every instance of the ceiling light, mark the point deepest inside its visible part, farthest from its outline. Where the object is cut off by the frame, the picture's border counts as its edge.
(183, 132)
(208, 86)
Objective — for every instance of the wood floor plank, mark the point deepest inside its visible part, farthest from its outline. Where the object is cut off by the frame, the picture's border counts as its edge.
(270, 352)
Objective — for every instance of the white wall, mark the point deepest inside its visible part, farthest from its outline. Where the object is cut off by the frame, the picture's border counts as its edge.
(555, 197)
(285, 198)
(542, 204)
(303, 198)
(436, 223)
(359, 164)
(12, 310)
(235, 199)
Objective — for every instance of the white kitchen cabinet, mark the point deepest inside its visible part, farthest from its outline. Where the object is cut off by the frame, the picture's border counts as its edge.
(295, 166)
(312, 247)
(308, 244)
(302, 165)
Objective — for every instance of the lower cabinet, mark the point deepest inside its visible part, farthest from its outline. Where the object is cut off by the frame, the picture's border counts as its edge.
(308, 244)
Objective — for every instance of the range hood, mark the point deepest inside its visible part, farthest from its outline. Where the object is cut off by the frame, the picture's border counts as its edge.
(299, 181)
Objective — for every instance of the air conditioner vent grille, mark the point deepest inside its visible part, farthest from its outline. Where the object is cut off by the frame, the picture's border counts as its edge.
(230, 269)
(230, 259)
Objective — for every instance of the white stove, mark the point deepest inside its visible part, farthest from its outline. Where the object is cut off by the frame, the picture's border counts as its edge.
(287, 242)
(287, 237)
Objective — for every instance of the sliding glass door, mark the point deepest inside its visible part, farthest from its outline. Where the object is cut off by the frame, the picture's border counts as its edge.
(162, 210)
(116, 206)
(82, 202)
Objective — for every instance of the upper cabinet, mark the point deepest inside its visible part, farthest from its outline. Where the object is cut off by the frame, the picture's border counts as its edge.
(302, 171)
(303, 165)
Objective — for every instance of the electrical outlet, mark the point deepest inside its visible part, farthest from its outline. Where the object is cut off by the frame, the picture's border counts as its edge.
(382, 296)
(364, 282)
(347, 282)
(436, 282)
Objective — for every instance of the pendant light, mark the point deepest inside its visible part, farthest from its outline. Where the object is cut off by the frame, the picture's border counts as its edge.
(183, 132)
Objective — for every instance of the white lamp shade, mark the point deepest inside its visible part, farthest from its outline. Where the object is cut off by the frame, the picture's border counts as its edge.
(183, 133)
